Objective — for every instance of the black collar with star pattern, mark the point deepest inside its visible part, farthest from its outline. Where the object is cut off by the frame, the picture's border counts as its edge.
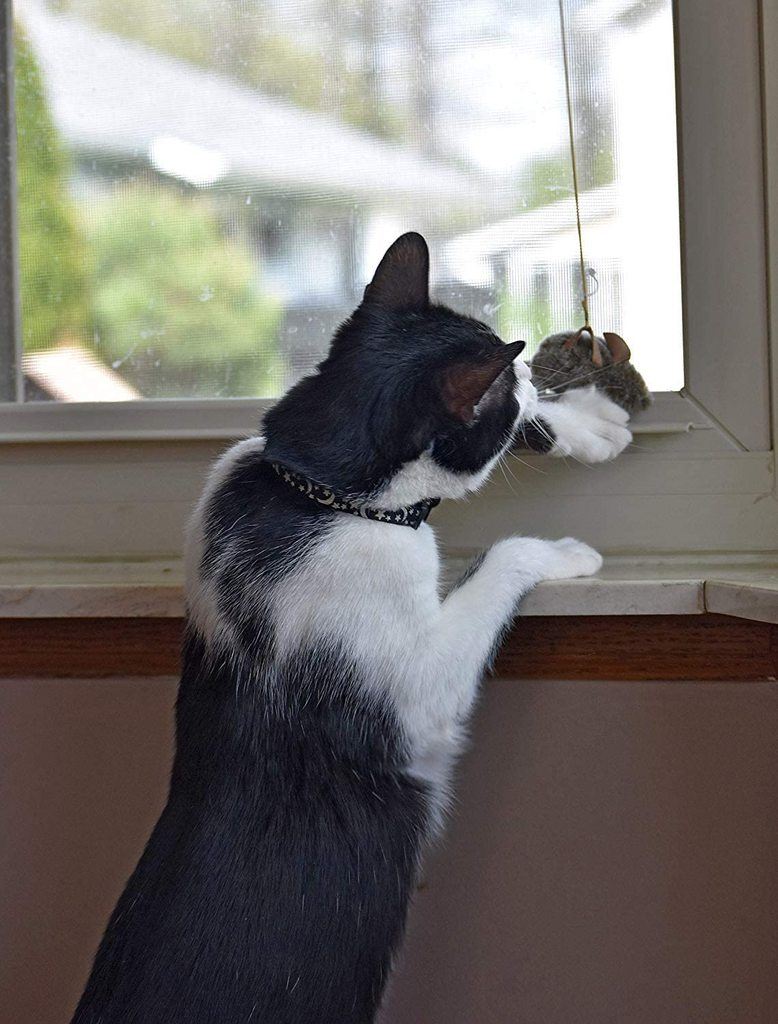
(410, 515)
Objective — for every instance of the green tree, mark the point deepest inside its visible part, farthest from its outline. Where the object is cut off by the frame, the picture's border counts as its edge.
(176, 306)
(525, 316)
(52, 276)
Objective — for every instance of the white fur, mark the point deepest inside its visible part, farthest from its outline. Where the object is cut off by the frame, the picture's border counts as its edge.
(373, 590)
(587, 425)
(424, 478)
(526, 392)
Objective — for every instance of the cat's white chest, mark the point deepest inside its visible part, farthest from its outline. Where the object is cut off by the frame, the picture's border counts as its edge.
(368, 586)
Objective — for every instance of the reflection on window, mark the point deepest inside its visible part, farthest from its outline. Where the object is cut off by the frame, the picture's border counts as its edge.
(205, 186)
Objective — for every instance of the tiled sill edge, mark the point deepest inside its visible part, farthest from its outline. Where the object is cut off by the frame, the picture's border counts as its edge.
(746, 588)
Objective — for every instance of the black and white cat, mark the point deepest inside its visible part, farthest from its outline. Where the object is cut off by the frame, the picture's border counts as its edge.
(326, 684)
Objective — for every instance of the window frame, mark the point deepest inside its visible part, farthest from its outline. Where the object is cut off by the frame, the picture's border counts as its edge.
(725, 78)
(10, 321)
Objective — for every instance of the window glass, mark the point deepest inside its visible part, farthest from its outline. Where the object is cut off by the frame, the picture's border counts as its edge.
(206, 186)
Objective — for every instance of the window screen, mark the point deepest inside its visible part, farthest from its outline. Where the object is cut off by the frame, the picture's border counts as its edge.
(206, 186)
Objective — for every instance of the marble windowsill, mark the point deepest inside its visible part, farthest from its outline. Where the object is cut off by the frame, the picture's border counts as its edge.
(745, 587)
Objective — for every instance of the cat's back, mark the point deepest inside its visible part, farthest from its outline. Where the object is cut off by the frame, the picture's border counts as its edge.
(245, 535)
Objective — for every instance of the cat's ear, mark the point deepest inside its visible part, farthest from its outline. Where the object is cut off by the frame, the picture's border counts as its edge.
(618, 347)
(463, 385)
(401, 281)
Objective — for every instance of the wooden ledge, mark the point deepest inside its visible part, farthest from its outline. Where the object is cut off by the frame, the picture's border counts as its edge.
(630, 647)
(746, 587)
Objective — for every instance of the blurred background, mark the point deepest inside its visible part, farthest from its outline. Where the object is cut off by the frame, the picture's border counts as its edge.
(205, 186)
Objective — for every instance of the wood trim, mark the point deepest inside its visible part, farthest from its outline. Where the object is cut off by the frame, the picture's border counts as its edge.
(658, 647)
(637, 647)
(90, 647)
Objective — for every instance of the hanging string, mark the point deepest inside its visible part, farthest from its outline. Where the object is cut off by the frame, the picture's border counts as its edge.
(574, 163)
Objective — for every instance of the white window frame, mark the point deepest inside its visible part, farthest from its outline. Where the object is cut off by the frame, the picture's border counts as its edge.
(116, 479)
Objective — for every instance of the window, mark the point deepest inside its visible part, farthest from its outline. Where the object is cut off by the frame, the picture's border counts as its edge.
(204, 189)
(325, 140)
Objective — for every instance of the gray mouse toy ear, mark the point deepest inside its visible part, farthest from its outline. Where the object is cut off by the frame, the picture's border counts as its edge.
(617, 347)
(573, 340)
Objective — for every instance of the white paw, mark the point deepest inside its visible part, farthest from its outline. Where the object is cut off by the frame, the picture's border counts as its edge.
(535, 559)
(587, 425)
(569, 557)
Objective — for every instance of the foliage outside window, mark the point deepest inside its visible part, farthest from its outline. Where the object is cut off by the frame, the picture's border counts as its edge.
(203, 189)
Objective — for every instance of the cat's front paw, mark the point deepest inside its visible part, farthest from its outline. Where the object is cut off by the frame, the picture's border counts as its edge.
(587, 425)
(537, 560)
(568, 558)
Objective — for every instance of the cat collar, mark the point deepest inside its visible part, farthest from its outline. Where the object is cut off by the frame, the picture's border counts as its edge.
(409, 515)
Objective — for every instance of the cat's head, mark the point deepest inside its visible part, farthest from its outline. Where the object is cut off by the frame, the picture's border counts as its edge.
(413, 400)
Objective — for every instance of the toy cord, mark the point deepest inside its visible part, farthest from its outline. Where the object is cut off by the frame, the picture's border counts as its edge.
(574, 163)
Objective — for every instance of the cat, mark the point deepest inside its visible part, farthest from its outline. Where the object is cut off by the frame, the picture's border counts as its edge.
(326, 686)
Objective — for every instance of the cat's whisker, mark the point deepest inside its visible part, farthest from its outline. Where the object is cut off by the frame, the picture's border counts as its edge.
(586, 376)
(543, 431)
(527, 465)
(503, 469)
(549, 369)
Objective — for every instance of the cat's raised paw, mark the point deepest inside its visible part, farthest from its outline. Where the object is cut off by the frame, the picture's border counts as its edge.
(588, 425)
(569, 558)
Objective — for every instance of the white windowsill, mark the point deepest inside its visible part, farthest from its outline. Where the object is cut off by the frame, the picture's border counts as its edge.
(744, 587)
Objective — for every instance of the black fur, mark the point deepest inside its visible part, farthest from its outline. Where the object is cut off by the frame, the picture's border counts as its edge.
(535, 435)
(274, 887)
(375, 402)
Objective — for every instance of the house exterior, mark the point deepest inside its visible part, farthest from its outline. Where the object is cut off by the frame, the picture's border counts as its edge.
(316, 200)
(631, 226)
(313, 198)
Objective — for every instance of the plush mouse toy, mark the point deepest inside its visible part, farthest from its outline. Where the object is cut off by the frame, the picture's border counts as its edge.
(578, 359)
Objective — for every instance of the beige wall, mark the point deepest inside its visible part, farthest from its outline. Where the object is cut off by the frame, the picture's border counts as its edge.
(613, 856)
